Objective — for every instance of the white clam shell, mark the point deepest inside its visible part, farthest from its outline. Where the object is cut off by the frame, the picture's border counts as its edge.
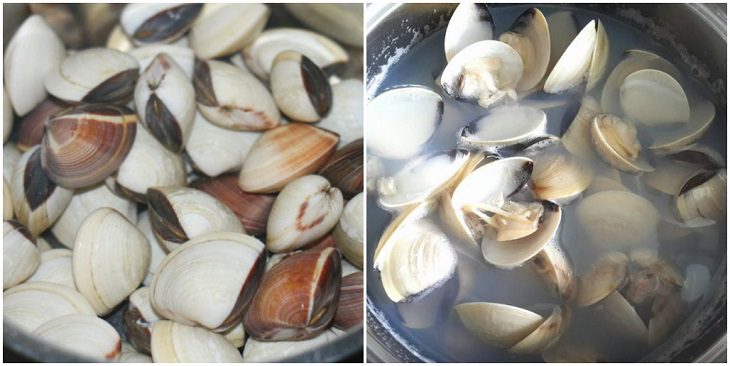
(222, 29)
(118, 40)
(11, 155)
(134, 15)
(599, 61)
(705, 201)
(348, 234)
(236, 335)
(7, 116)
(216, 150)
(577, 139)
(470, 23)
(7, 201)
(84, 334)
(174, 342)
(34, 51)
(341, 21)
(259, 351)
(157, 250)
(606, 276)
(701, 117)
(183, 56)
(305, 210)
(616, 142)
(529, 35)
(401, 121)
(669, 176)
(504, 126)
(622, 316)
(83, 203)
(498, 324)
(21, 256)
(547, 334)
(56, 267)
(573, 66)
(654, 98)
(557, 175)
(32, 304)
(346, 115)
(110, 259)
(130, 355)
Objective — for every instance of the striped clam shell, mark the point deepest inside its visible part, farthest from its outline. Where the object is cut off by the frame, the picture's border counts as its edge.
(174, 342)
(345, 169)
(21, 256)
(84, 334)
(32, 127)
(84, 145)
(349, 306)
(29, 305)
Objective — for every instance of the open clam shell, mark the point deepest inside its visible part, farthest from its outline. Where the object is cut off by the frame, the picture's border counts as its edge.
(110, 259)
(573, 66)
(21, 256)
(498, 324)
(557, 175)
(158, 23)
(32, 127)
(599, 60)
(297, 298)
(187, 291)
(530, 37)
(623, 317)
(616, 142)
(350, 305)
(348, 234)
(346, 115)
(300, 88)
(654, 98)
(577, 139)
(547, 334)
(56, 267)
(504, 126)
(223, 29)
(30, 305)
(701, 117)
(402, 120)
(407, 216)
(284, 154)
(606, 276)
(676, 168)
(175, 342)
(470, 23)
(83, 334)
(345, 169)
(139, 318)
(703, 197)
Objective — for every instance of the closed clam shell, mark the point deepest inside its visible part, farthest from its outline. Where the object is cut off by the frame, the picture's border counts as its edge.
(701, 117)
(297, 297)
(84, 334)
(222, 29)
(348, 234)
(174, 342)
(346, 115)
(110, 259)
(557, 175)
(300, 88)
(504, 126)
(186, 290)
(262, 351)
(82, 204)
(343, 21)
(183, 56)
(324, 52)
(56, 267)
(251, 209)
(498, 324)
(349, 306)
(284, 154)
(37, 200)
(30, 305)
(158, 23)
(165, 99)
(32, 126)
(158, 252)
(84, 145)
(232, 98)
(345, 169)
(179, 214)
(21, 256)
(470, 23)
(139, 318)
(34, 51)
(94, 75)
(306, 209)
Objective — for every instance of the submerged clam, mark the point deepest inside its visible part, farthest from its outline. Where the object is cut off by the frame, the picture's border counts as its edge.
(470, 23)
(653, 98)
(577, 139)
(703, 198)
(300, 88)
(616, 142)
(504, 126)
(530, 37)
(584, 59)
(557, 175)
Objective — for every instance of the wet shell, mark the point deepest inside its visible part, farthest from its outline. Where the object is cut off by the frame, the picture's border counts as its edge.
(26, 66)
(577, 139)
(557, 175)
(182, 288)
(304, 288)
(30, 305)
(346, 115)
(504, 126)
(32, 127)
(530, 37)
(84, 334)
(547, 334)
(110, 259)
(701, 117)
(183, 56)
(350, 305)
(616, 142)
(21, 256)
(223, 29)
(232, 98)
(703, 197)
(606, 276)
(498, 324)
(654, 98)
(348, 234)
(345, 169)
(284, 154)
(300, 88)
(261, 351)
(573, 66)
(305, 210)
(83, 145)
(158, 23)
(179, 214)
(470, 23)
(174, 342)
(56, 267)
(37, 200)
(139, 318)
(622, 316)
(94, 75)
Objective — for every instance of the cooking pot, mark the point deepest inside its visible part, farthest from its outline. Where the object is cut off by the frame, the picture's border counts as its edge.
(696, 33)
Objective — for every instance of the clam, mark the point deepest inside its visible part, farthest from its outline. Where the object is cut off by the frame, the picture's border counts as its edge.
(158, 23)
(32, 127)
(563, 27)
(260, 351)
(601, 213)
(599, 60)
(175, 342)
(484, 72)
(376, 170)
(11, 155)
(251, 209)
(530, 37)
(157, 249)
(619, 313)
(94, 75)
(422, 178)
(110, 259)
(607, 275)
(236, 335)
(306, 209)
(346, 114)
(504, 126)
(148, 164)
(38, 202)
(118, 40)
(7, 116)
(183, 56)
(702, 198)
(83, 203)
(21, 256)
(215, 150)
(232, 98)
(697, 155)
(697, 282)
(345, 169)
(667, 311)
(654, 98)
(7, 201)
(130, 355)
(34, 51)
(260, 54)
(223, 29)
(179, 214)
(312, 281)
(701, 117)
(343, 21)
(186, 290)
(300, 88)
(672, 172)
(348, 234)
(616, 142)
(577, 139)
(408, 216)
(30, 305)
(349, 306)
(470, 23)
(84, 334)
(56, 267)
(402, 121)
(83, 145)
(650, 277)
(165, 99)
(585, 58)
(139, 318)
(284, 154)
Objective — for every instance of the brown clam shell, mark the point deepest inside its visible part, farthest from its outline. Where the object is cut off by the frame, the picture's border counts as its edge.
(283, 154)
(32, 126)
(349, 307)
(83, 145)
(317, 86)
(251, 209)
(345, 169)
(167, 25)
(139, 331)
(297, 297)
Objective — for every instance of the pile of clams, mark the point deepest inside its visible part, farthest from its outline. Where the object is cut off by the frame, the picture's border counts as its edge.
(194, 179)
(630, 165)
